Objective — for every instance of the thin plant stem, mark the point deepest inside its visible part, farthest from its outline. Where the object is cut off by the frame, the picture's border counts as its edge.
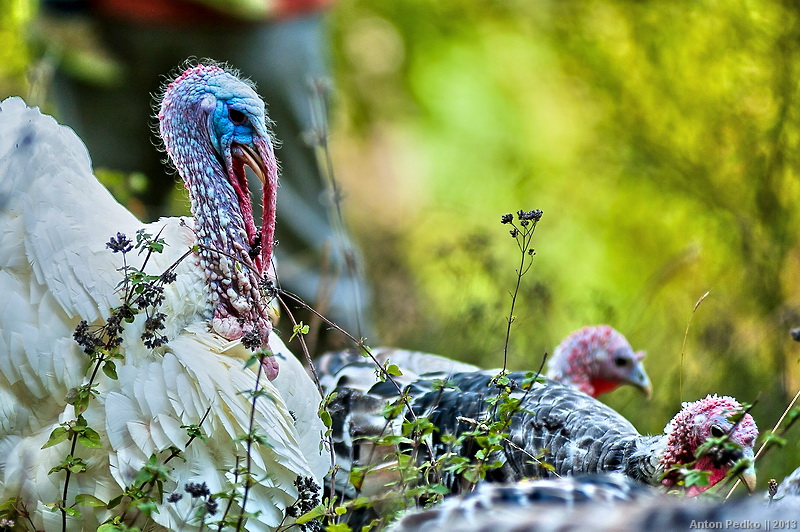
(249, 458)
(231, 498)
(683, 345)
(319, 137)
(764, 446)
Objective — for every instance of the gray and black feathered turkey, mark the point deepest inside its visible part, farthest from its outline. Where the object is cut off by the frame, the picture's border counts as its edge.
(600, 503)
(788, 493)
(555, 431)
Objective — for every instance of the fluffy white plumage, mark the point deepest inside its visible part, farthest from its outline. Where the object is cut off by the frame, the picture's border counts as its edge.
(55, 270)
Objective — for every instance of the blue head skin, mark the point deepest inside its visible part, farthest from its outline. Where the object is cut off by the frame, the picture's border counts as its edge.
(213, 124)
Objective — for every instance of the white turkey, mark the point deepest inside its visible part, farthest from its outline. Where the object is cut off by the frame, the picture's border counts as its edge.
(554, 431)
(55, 273)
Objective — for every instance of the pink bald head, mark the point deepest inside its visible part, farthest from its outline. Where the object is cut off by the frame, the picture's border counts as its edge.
(597, 360)
(714, 416)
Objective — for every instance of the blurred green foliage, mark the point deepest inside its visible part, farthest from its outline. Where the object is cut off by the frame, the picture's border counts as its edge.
(659, 138)
(14, 50)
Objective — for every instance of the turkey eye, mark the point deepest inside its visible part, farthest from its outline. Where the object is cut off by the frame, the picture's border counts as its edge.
(717, 432)
(619, 361)
(237, 117)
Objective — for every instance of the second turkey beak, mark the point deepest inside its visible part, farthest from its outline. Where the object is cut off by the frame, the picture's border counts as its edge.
(749, 474)
(749, 479)
(640, 380)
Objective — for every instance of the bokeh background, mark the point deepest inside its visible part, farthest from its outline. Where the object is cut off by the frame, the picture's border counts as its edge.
(659, 138)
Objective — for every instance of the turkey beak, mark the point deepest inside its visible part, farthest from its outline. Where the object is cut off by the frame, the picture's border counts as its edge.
(749, 474)
(749, 479)
(640, 380)
(251, 158)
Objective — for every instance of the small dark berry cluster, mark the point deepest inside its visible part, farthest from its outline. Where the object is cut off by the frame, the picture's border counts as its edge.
(197, 489)
(308, 498)
(525, 217)
(527, 225)
(120, 243)
(88, 340)
(211, 506)
(151, 294)
(533, 216)
(268, 288)
(150, 335)
(174, 497)
(255, 249)
(114, 329)
(724, 454)
(509, 384)
(108, 336)
(252, 340)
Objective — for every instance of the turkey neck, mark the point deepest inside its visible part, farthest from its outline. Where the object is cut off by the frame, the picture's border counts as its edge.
(230, 247)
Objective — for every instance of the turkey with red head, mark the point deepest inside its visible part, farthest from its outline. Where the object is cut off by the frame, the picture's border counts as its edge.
(597, 360)
(594, 360)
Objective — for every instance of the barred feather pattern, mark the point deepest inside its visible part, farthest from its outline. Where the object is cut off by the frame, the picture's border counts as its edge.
(556, 425)
(597, 503)
(556, 431)
(524, 497)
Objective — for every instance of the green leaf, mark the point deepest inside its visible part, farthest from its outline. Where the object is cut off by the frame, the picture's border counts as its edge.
(77, 467)
(147, 507)
(502, 380)
(90, 438)
(439, 489)
(113, 503)
(84, 499)
(317, 511)
(339, 527)
(57, 436)
(696, 477)
(771, 438)
(340, 510)
(326, 418)
(194, 431)
(72, 512)
(110, 369)
(392, 369)
(300, 328)
(109, 527)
